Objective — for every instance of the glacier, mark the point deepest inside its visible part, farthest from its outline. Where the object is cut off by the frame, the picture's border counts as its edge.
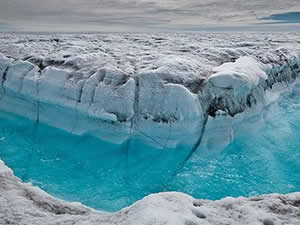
(166, 90)
(139, 85)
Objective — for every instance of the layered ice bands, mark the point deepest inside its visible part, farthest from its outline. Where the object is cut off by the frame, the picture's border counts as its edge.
(158, 88)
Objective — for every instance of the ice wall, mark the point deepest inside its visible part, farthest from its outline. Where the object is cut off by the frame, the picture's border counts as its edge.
(165, 103)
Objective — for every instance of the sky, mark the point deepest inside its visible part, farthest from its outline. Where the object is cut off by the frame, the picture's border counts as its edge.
(149, 15)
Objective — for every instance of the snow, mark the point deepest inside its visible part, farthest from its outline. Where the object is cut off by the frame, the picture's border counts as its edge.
(242, 76)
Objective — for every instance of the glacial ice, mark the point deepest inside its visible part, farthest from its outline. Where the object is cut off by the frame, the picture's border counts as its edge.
(160, 88)
(139, 85)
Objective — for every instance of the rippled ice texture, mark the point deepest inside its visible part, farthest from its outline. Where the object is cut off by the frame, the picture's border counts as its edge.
(263, 157)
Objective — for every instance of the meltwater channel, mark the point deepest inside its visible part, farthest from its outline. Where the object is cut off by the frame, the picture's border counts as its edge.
(109, 177)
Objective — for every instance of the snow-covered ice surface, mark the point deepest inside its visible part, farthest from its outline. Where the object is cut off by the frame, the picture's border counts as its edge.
(160, 88)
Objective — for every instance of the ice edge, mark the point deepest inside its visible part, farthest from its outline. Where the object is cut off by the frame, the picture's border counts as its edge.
(104, 101)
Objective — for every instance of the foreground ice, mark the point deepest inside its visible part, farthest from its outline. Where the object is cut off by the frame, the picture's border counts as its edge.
(23, 204)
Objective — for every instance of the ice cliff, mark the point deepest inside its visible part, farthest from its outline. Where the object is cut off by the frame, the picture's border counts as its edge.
(160, 88)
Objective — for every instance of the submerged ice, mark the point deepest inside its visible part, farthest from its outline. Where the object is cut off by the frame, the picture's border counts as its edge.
(82, 168)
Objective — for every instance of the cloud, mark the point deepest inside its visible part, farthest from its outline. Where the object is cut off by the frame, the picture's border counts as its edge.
(136, 15)
(5, 27)
(289, 17)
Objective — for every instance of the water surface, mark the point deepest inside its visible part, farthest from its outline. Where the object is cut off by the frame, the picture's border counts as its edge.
(110, 177)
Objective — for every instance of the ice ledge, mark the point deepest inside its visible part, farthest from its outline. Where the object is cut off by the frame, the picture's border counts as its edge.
(236, 86)
(144, 104)
(21, 203)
